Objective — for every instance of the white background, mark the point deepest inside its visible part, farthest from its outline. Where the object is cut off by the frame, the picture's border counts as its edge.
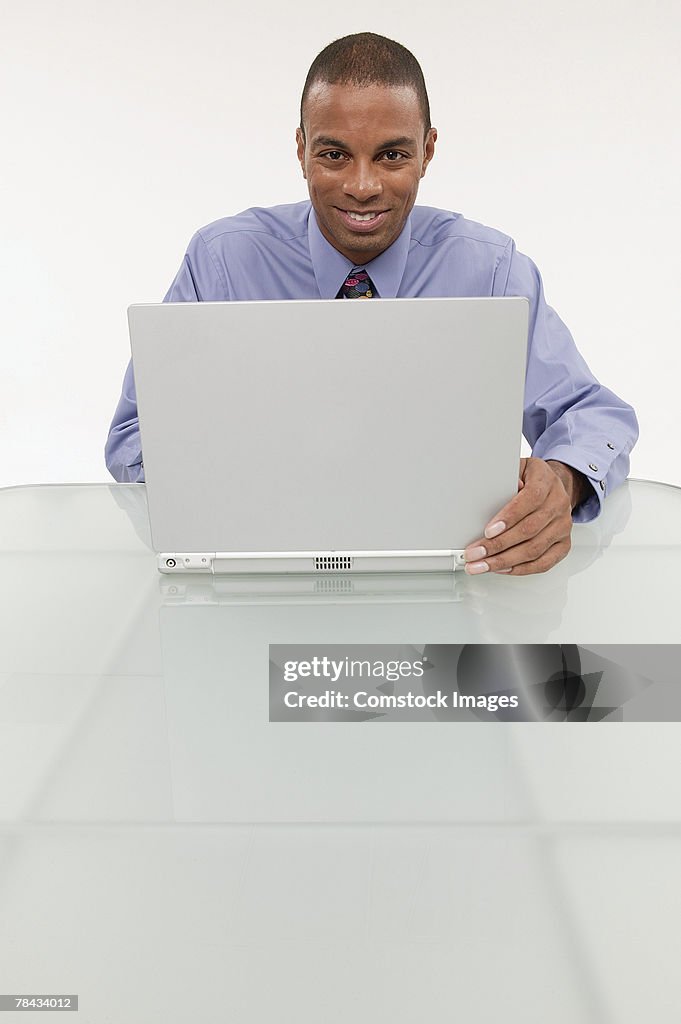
(127, 126)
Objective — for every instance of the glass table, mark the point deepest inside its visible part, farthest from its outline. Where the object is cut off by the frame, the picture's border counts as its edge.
(168, 854)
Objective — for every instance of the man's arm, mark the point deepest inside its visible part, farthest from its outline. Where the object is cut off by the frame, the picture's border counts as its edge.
(123, 450)
(569, 416)
(580, 432)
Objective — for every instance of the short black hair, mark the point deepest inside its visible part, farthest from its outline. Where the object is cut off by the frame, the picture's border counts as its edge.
(367, 59)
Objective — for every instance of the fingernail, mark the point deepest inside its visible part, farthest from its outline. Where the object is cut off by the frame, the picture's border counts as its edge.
(473, 568)
(473, 554)
(494, 530)
(502, 571)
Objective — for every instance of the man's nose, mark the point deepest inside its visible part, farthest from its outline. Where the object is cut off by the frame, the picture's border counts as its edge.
(363, 180)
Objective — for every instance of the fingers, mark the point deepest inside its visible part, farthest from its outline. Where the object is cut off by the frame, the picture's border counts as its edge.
(531, 533)
(536, 554)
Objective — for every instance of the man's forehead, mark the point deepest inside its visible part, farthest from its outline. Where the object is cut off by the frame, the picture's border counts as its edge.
(330, 108)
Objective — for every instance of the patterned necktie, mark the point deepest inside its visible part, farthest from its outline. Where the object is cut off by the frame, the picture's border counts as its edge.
(358, 285)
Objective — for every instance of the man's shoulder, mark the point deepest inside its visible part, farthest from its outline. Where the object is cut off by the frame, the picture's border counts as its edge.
(283, 222)
(432, 227)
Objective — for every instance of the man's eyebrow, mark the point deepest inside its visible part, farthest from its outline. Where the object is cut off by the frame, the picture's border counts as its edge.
(326, 140)
(403, 141)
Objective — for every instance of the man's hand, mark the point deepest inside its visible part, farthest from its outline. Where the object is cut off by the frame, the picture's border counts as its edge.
(532, 532)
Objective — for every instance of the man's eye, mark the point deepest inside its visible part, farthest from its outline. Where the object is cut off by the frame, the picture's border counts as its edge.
(334, 155)
(393, 156)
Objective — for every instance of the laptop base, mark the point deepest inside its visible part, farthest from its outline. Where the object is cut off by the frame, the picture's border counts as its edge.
(308, 562)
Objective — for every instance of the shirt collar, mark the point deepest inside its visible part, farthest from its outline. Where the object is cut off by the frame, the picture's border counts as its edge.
(331, 268)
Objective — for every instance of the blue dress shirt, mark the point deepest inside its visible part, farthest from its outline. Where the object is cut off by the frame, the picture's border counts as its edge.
(280, 253)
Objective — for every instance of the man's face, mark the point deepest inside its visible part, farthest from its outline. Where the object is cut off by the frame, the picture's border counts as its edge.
(363, 155)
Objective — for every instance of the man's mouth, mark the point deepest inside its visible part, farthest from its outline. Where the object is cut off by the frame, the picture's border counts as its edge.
(363, 221)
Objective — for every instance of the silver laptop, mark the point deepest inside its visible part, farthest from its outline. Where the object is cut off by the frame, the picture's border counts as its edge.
(327, 436)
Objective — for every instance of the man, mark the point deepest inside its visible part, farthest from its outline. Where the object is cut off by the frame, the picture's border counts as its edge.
(364, 142)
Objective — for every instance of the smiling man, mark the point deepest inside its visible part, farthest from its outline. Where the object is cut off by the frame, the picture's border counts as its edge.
(364, 142)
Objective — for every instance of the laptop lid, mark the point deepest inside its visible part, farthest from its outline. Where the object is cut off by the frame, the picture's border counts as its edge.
(325, 435)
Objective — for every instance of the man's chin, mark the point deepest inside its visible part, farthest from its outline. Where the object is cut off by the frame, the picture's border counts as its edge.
(361, 250)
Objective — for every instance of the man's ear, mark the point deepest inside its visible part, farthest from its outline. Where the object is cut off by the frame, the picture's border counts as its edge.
(429, 149)
(300, 142)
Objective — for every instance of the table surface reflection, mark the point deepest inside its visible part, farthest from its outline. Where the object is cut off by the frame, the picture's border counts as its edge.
(170, 855)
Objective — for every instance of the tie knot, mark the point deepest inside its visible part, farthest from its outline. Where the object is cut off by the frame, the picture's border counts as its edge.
(357, 285)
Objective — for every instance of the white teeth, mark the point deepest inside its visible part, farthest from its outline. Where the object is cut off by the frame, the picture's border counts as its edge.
(361, 216)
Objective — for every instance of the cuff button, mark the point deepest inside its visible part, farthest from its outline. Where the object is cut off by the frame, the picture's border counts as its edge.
(592, 465)
(602, 484)
(611, 446)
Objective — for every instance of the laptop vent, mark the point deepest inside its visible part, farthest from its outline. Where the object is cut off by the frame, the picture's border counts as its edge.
(333, 563)
(332, 586)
